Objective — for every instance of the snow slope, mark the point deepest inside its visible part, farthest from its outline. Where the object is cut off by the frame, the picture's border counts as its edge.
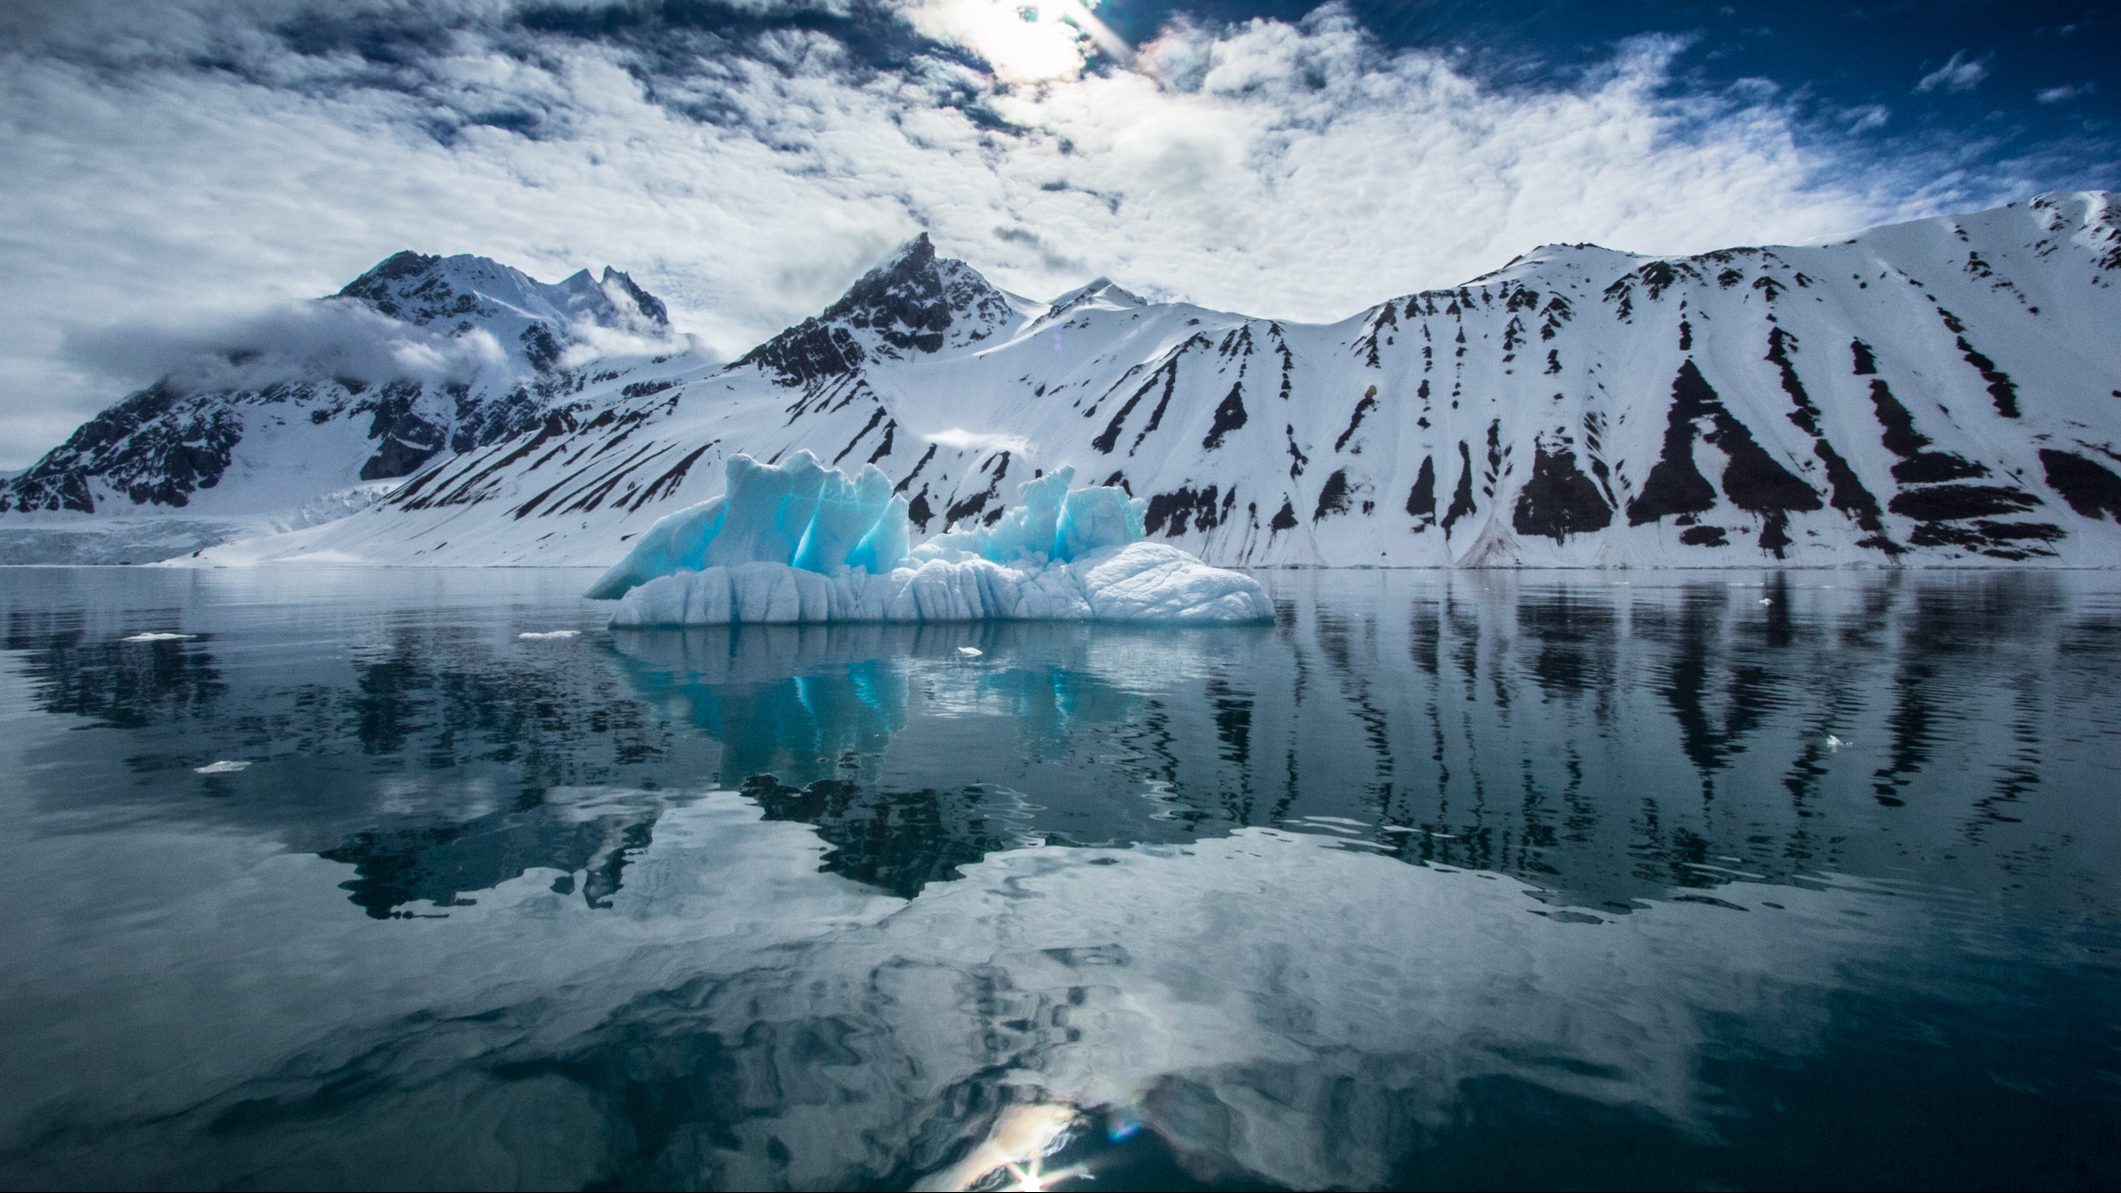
(1944, 392)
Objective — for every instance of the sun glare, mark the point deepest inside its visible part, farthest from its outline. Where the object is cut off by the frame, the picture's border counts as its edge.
(1024, 43)
(1031, 1175)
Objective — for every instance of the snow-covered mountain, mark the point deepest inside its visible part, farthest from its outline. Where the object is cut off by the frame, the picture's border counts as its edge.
(419, 357)
(1941, 392)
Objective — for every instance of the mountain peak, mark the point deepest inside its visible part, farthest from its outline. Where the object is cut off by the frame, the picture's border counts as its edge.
(650, 306)
(917, 301)
(424, 289)
(915, 254)
(1100, 292)
(376, 284)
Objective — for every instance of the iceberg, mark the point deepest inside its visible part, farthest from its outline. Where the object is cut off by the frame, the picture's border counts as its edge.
(798, 542)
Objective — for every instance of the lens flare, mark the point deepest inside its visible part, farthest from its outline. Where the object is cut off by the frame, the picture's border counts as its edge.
(1017, 1146)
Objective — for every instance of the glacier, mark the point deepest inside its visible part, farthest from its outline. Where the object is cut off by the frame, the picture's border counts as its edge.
(799, 542)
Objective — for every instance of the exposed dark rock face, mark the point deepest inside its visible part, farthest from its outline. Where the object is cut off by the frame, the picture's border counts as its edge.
(493, 418)
(2088, 487)
(1382, 323)
(670, 479)
(1333, 498)
(1752, 480)
(1462, 497)
(1367, 403)
(920, 511)
(876, 418)
(1229, 416)
(404, 440)
(1675, 486)
(1845, 489)
(810, 351)
(971, 506)
(1168, 513)
(378, 286)
(158, 446)
(541, 348)
(1950, 503)
(1156, 416)
(649, 304)
(1757, 484)
(2001, 389)
(1917, 465)
(1558, 500)
(1168, 374)
(1948, 511)
(910, 304)
(1999, 540)
(1421, 499)
(919, 466)
(1703, 536)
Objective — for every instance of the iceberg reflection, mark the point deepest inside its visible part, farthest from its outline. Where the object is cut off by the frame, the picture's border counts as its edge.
(1611, 742)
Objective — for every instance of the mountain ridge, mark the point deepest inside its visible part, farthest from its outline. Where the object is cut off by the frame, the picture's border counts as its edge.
(1938, 392)
(479, 353)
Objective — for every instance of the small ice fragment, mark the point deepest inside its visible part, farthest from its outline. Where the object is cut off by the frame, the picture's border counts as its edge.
(157, 636)
(546, 635)
(223, 767)
(970, 652)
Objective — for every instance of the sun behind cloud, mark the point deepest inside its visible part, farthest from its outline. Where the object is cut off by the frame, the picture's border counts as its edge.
(1021, 43)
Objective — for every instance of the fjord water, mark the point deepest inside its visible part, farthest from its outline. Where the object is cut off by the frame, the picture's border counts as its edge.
(1573, 879)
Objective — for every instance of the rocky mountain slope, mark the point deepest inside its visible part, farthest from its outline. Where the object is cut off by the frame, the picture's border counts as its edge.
(419, 358)
(1944, 392)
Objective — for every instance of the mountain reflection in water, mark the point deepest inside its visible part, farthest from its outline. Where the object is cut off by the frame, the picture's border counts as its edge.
(1812, 858)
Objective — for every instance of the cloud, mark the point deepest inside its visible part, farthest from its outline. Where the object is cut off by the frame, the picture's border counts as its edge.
(960, 439)
(205, 165)
(2064, 94)
(337, 337)
(1960, 73)
(1868, 117)
(587, 342)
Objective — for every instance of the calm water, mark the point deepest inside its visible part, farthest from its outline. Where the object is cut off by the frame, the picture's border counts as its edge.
(1476, 880)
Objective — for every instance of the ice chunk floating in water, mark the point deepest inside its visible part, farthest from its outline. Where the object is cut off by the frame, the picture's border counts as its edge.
(799, 542)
